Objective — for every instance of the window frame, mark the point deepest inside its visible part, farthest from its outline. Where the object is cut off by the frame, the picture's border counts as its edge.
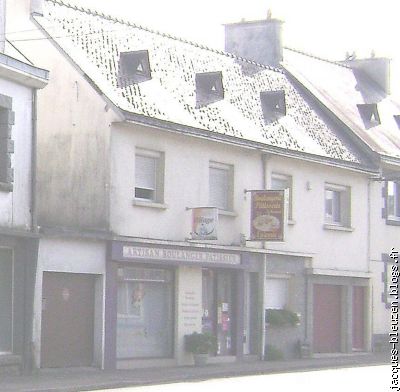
(344, 193)
(288, 191)
(392, 217)
(229, 169)
(158, 191)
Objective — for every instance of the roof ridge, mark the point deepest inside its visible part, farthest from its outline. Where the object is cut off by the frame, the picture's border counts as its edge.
(138, 26)
(338, 63)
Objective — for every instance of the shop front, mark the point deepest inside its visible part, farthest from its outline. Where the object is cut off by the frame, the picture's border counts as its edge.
(157, 294)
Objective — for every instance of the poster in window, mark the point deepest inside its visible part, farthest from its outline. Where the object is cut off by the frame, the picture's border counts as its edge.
(204, 223)
(267, 215)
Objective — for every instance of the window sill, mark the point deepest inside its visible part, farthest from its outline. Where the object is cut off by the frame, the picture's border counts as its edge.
(328, 226)
(151, 204)
(6, 187)
(227, 213)
(393, 221)
(291, 222)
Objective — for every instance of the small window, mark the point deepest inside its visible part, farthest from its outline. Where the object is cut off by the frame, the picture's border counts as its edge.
(134, 67)
(273, 105)
(369, 114)
(283, 182)
(149, 176)
(209, 88)
(337, 205)
(393, 200)
(276, 293)
(7, 119)
(221, 186)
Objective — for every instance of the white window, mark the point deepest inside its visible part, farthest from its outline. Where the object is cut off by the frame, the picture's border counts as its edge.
(149, 175)
(337, 205)
(393, 200)
(276, 293)
(221, 186)
(283, 182)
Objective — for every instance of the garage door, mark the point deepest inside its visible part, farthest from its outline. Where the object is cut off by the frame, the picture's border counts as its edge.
(327, 318)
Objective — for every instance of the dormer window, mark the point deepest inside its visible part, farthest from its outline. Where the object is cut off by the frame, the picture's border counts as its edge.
(209, 88)
(273, 105)
(134, 67)
(397, 119)
(369, 114)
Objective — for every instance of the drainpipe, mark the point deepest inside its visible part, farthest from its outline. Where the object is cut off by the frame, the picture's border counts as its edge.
(34, 227)
(264, 159)
(370, 313)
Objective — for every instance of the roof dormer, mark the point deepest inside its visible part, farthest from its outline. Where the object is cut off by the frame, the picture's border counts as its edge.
(273, 105)
(133, 67)
(397, 119)
(369, 114)
(209, 88)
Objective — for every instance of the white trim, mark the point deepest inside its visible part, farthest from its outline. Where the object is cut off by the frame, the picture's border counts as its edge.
(148, 203)
(337, 227)
(347, 273)
(143, 152)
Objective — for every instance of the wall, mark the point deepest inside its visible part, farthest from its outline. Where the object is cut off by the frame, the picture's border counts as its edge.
(15, 206)
(74, 256)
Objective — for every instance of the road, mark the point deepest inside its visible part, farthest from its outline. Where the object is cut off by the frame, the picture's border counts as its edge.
(365, 379)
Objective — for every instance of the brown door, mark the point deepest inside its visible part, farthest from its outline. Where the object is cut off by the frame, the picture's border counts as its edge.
(327, 318)
(67, 320)
(358, 317)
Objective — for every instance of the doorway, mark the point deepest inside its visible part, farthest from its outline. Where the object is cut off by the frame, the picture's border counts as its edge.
(219, 308)
(67, 320)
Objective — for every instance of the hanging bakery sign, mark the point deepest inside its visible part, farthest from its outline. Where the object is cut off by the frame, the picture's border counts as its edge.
(204, 223)
(267, 215)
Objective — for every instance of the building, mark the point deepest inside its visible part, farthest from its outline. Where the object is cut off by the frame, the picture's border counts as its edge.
(143, 128)
(19, 82)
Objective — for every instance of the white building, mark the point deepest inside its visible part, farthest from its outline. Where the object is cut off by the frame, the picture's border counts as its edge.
(19, 82)
(138, 128)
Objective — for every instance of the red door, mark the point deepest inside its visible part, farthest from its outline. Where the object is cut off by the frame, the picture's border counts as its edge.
(327, 318)
(358, 317)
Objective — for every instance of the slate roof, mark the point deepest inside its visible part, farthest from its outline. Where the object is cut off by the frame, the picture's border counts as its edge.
(341, 88)
(95, 41)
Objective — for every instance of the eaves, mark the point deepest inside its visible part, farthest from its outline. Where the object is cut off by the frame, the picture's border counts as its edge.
(133, 118)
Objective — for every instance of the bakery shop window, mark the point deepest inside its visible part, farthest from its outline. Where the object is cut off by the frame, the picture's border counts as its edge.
(284, 182)
(337, 205)
(221, 186)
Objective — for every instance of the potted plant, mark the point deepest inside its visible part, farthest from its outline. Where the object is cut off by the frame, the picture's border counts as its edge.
(200, 345)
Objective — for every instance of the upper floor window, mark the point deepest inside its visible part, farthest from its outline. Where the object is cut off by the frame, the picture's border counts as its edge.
(283, 182)
(221, 186)
(393, 200)
(6, 144)
(337, 205)
(149, 175)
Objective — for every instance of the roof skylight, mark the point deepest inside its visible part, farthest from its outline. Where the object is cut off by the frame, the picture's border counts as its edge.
(209, 88)
(369, 114)
(134, 67)
(273, 105)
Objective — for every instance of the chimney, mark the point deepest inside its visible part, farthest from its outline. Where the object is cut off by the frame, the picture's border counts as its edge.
(259, 41)
(376, 69)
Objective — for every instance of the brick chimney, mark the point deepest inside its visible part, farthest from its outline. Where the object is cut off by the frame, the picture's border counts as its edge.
(376, 69)
(259, 41)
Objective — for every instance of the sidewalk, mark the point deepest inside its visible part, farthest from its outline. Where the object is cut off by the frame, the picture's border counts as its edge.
(72, 380)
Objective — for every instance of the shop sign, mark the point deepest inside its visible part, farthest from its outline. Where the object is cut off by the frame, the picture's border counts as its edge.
(204, 223)
(167, 254)
(267, 215)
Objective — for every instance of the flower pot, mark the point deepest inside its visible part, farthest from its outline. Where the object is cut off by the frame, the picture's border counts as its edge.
(200, 359)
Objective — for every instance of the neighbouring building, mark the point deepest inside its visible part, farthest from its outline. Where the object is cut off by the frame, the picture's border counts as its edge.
(138, 128)
(19, 82)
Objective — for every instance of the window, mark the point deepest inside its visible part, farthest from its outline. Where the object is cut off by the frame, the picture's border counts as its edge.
(369, 114)
(221, 186)
(393, 200)
(283, 182)
(134, 67)
(337, 205)
(209, 88)
(273, 105)
(6, 144)
(276, 293)
(6, 300)
(149, 176)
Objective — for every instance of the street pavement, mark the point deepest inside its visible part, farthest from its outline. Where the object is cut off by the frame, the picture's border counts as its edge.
(85, 379)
